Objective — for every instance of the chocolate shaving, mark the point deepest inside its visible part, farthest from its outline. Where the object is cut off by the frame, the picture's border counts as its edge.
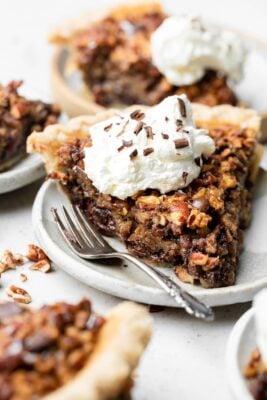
(138, 127)
(179, 124)
(120, 148)
(108, 127)
(184, 176)
(149, 132)
(198, 161)
(166, 119)
(137, 114)
(180, 143)
(182, 107)
(165, 136)
(133, 154)
(148, 151)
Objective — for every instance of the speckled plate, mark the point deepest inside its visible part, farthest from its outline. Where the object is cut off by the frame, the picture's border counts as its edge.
(240, 344)
(27, 170)
(129, 283)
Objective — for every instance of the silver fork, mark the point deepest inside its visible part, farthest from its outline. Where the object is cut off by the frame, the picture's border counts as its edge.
(85, 241)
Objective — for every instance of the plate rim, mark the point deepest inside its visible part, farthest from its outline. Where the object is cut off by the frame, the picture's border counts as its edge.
(235, 378)
(214, 297)
(13, 179)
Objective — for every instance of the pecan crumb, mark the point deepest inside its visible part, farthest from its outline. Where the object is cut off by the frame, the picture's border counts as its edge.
(23, 277)
(42, 265)
(18, 294)
(35, 253)
(9, 260)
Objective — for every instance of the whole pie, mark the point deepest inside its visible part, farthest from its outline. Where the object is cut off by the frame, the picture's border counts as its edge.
(18, 118)
(68, 352)
(198, 228)
(113, 52)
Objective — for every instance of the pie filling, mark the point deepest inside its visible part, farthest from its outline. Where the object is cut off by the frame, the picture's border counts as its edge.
(114, 56)
(42, 350)
(197, 230)
(18, 118)
(256, 375)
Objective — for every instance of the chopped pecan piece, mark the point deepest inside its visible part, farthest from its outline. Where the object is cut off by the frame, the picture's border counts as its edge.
(35, 253)
(18, 294)
(42, 265)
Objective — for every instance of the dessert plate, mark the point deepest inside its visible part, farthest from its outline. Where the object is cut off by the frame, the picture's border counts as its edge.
(127, 282)
(240, 344)
(75, 99)
(26, 171)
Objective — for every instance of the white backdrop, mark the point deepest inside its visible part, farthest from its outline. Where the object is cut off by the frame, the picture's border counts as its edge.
(185, 360)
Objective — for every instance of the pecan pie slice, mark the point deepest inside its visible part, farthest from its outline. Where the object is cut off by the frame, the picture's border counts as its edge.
(197, 230)
(67, 352)
(18, 118)
(113, 52)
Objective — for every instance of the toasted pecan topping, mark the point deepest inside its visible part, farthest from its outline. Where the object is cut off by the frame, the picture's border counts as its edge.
(42, 265)
(35, 253)
(18, 294)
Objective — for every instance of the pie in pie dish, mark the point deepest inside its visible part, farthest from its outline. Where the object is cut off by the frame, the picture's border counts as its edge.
(115, 53)
(173, 194)
(18, 118)
(68, 352)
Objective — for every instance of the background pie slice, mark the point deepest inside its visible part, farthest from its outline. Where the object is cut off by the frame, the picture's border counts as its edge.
(67, 352)
(18, 118)
(112, 50)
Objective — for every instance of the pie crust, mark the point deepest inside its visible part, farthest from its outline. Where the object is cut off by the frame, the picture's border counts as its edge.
(121, 341)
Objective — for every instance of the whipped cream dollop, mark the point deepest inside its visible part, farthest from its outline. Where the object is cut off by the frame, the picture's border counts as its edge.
(259, 304)
(159, 148)
(182, 50)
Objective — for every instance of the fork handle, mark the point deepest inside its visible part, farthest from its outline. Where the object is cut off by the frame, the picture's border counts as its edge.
(191, 304)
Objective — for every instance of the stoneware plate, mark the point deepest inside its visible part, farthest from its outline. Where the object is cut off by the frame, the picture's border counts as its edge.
(127, 282)
(239, 347)
(26, 171)
(70, 92)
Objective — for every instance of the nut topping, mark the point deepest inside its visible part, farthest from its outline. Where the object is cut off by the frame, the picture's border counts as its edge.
(18, 294)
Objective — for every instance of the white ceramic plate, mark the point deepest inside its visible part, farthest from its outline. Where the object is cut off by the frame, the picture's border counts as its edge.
(131, 284)
(26, 171)
(240, 345)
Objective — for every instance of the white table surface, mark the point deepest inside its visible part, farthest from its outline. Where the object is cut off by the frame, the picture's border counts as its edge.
(185, 359)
